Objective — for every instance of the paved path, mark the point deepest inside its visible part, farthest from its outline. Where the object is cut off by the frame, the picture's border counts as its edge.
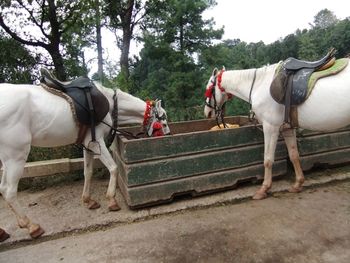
(313, 226)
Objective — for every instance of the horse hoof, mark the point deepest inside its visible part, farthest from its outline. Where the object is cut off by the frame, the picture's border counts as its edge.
(295, 189)
(259, 196)
(92, 205)
(36, 231)
(114, 207)
(3, 235)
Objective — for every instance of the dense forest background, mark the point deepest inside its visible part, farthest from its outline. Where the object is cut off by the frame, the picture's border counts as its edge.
(180, 47)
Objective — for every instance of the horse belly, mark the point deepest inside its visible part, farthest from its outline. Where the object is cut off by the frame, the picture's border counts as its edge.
(328, 107)
(56, 134)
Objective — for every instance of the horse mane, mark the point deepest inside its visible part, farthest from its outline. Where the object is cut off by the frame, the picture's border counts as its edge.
(108, 92)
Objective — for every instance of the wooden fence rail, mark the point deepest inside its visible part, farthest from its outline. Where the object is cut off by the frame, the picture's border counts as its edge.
(56, 166)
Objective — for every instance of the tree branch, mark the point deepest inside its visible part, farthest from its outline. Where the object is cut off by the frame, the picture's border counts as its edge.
(18, 38)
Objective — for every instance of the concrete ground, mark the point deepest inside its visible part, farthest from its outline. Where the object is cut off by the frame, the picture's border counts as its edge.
(312, 226)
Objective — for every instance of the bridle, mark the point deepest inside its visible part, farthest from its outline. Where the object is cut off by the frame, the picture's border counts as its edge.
(151, 116)
(210, 94)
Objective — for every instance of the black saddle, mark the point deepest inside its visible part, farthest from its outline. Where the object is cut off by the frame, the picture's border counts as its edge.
(90, 104)
(289, 87)
(294, 64)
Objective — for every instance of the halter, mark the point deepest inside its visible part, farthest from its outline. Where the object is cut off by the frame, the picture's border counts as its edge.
(210, 93)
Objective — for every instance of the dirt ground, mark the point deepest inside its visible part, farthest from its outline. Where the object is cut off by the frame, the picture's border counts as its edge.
(312, 227)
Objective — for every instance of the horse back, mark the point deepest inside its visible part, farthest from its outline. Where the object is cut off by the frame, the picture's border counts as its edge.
(327, 107)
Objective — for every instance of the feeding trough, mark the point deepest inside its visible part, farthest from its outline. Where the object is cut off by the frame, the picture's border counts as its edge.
(323, 148)
(194, 160)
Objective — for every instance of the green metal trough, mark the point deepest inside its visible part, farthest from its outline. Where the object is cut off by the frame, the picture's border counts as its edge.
(192, 161)
(196, 161)
(327, 148)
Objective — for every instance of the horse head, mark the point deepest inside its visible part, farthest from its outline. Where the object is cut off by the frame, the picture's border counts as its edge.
(126, 109)
(215, 95)
(155, 119)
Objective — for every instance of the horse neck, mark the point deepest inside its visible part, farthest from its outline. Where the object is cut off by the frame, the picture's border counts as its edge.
(239, 82)
(131, 109)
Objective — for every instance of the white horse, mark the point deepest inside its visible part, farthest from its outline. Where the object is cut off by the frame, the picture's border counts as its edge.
(30, 115)
(327, 108)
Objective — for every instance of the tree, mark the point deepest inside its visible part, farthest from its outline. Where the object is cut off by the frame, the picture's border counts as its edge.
(125, 15)
(324, 19)
(16, 63)
(46, 24)
(99, 40)
(167, 74)
(180, 23)
(173, 32)
(307, 50)
(339, 37)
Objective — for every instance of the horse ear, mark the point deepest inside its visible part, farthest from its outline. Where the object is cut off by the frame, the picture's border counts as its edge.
(215, 71)
(158, 104)
(223, 68)
(162, 103)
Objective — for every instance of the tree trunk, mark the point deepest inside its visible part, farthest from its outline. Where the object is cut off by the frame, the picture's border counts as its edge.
(58, 64)
(127, 35)
(99, 42)
(124, 58)
(55, 40)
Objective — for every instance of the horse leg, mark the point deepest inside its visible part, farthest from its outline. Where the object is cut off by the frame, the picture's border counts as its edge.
(270, 141)
(289, 136)
(3, 180)
(13, 170)
(3, 234)
(88, 170)
(108, 161)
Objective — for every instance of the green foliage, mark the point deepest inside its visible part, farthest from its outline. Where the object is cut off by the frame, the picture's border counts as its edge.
(16, 63)
(62, 28)
(180, 23)
(122, 81)
(166, 68)
(39, 154)
(167, 74)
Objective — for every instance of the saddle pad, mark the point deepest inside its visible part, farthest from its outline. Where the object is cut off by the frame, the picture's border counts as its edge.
(338, 66)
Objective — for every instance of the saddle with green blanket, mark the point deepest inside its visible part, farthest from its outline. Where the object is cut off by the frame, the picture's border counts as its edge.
(294, 80)
(91, 106)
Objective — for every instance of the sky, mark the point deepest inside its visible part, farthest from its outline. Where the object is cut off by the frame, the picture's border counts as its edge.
(270, 20)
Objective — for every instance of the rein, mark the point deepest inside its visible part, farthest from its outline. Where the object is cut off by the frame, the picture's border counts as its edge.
(114, 128)
(251, 115)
